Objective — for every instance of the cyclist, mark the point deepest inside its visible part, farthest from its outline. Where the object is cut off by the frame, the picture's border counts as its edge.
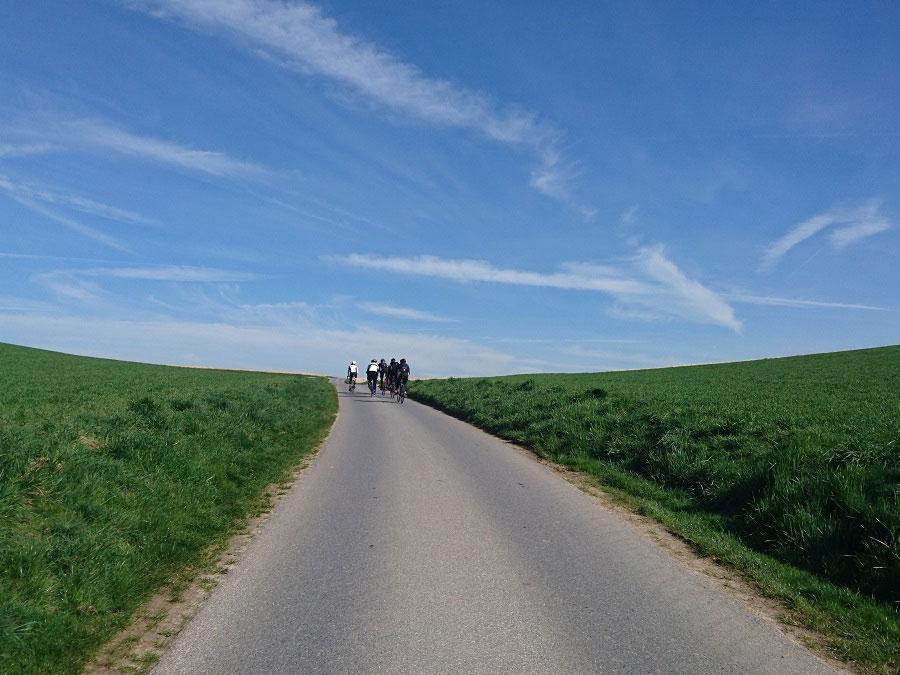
(352, 372)
(402, 378)
(382, 373)
(372, 376)
(392, 376)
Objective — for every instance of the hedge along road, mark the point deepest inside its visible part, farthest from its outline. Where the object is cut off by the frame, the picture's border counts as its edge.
(416, 543)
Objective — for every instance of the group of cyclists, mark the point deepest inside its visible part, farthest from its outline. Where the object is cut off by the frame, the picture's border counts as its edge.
(391, 377)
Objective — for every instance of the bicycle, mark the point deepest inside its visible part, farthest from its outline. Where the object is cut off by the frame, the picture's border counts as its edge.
(401, 392)
(372, 386)
(352, 382)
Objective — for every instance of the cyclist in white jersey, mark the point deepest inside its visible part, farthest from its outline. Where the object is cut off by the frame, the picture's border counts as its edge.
(372, 375)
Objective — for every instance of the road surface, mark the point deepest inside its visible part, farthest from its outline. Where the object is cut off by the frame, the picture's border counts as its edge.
(415, 543)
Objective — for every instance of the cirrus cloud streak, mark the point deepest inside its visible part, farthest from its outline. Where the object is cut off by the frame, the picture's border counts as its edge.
(102, 135)
(653, 282)
(855, 224)
(393, 311)
(313, 43)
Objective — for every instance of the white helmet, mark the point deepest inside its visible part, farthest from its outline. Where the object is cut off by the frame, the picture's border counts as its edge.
(353, 363)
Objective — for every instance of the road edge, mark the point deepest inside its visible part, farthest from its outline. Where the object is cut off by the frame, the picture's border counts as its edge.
(157, 622)
(724, 578)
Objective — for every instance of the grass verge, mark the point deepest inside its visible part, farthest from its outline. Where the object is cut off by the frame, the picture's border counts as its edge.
(114, 476)
(157, 622)
(785, 469)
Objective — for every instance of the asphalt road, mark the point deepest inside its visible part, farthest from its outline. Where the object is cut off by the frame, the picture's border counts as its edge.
(415, 543)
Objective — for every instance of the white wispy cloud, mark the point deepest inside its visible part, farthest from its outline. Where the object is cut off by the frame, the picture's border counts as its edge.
(844, 236)
(82, 284)
(49, 203)
(551, 177)
(628, 215)
(555, 341)
(70, 286)
(313, 43)
(694, 299)
(303, 345)
(479, 270)
(74, 225)
(381, 309)
(175, 273)
(797, 234)
(265, 307)
(60, 258)
(801, 304)
(25, 149)
(12, 303)
(102, 135)
(857, 224)
(27, 256)
(654, 284)
(77, 202)
(593, 359)
(277, 313)
(217, 329)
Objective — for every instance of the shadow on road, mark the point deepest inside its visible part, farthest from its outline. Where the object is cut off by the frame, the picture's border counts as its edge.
(362, 396)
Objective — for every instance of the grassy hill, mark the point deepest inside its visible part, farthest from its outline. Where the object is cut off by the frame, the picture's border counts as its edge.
(113, 475)
(797, 458)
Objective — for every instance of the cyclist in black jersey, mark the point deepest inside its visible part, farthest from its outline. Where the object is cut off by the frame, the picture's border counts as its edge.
(392, 375)
(402, 378)
(382, 374)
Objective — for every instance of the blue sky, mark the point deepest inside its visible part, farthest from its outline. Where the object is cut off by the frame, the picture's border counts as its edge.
(479, 187)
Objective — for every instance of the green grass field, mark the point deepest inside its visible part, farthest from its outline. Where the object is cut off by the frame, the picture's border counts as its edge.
(114, 475)
(792, 465)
